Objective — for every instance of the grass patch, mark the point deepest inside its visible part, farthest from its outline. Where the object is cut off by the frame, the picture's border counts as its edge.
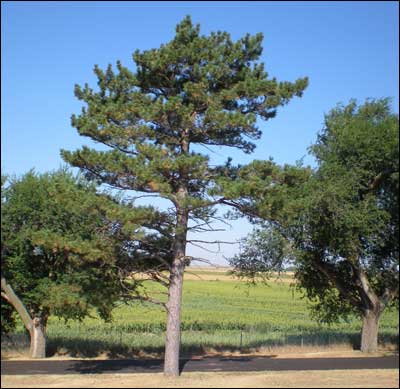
(216, 315)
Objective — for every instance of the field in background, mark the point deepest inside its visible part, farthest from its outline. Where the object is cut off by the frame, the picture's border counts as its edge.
(219, 315)
(223, 274)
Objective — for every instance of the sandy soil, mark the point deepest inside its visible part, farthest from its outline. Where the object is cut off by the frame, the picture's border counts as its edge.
(301, 379)
(293, 352)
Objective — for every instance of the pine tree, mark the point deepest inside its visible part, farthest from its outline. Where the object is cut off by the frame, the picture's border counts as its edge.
(193, 91)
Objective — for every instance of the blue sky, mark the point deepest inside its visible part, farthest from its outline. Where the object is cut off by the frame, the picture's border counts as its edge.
(347, 49)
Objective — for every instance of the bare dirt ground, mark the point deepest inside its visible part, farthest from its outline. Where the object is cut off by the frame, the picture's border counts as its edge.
(336, 351)
(298, 379)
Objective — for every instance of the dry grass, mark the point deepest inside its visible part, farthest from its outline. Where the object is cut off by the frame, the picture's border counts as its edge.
(282, 353)
(219, 276)
(212, 273)
(300, 379)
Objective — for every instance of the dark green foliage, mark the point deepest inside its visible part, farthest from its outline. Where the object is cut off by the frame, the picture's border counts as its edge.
(64, 245)
(351, 210)
(195, 89)
(261, 189)
(263, 252)
(7, 311)
(7, 318)
(342, 222)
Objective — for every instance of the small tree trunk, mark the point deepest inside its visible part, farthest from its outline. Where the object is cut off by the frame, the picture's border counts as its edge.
(373, 308)
(369, 334)
(38, 338)
(36, 326)
(173, 336)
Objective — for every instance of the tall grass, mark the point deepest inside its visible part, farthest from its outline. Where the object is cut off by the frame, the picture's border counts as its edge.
(217, 315)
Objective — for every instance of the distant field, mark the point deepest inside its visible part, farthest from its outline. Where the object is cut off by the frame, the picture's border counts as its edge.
(224, 274)
(217, 316)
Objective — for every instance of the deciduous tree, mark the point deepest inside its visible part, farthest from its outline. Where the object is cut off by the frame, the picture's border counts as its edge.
(66, 250)
(342, 223)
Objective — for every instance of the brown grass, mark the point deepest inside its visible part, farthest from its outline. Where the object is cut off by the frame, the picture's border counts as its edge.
(276, 353)
(198, 276)
(298, 379)
(195, 273)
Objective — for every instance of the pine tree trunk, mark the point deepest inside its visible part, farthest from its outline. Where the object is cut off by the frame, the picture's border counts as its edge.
(369, 334)
(38, 338)
(173, 336)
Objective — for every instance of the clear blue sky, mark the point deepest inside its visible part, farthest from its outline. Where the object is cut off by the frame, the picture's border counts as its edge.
(347, 49)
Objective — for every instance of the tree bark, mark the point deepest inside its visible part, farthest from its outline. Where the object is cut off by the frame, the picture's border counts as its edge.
(9, 295)
(38, 338)
(36, 326)
(173, 335)
(370, 328)
(372, 311)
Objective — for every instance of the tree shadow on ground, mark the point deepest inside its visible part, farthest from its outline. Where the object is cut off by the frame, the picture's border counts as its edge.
(109, 366)
(77, 347)
(141, 365)
(90, 348)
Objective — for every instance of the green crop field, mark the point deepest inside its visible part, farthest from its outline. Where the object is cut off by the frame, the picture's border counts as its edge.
(216, 315)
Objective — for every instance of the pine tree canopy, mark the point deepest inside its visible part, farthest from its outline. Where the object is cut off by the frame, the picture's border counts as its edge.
(193, 90)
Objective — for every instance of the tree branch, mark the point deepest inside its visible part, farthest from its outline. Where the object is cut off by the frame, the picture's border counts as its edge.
(150, 300)
(5, 297)
(16, 302)
(326, 269)
(211, 242)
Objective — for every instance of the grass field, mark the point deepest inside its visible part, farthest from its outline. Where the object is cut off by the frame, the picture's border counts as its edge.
(219, 315)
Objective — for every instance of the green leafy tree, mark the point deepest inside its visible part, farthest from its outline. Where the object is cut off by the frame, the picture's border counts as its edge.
(7, 312)
(342, 223)
(263, 252)
(63, 249)
(194, 91)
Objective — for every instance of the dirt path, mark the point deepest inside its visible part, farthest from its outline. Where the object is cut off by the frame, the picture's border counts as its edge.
(282, 379)
(222, 364)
